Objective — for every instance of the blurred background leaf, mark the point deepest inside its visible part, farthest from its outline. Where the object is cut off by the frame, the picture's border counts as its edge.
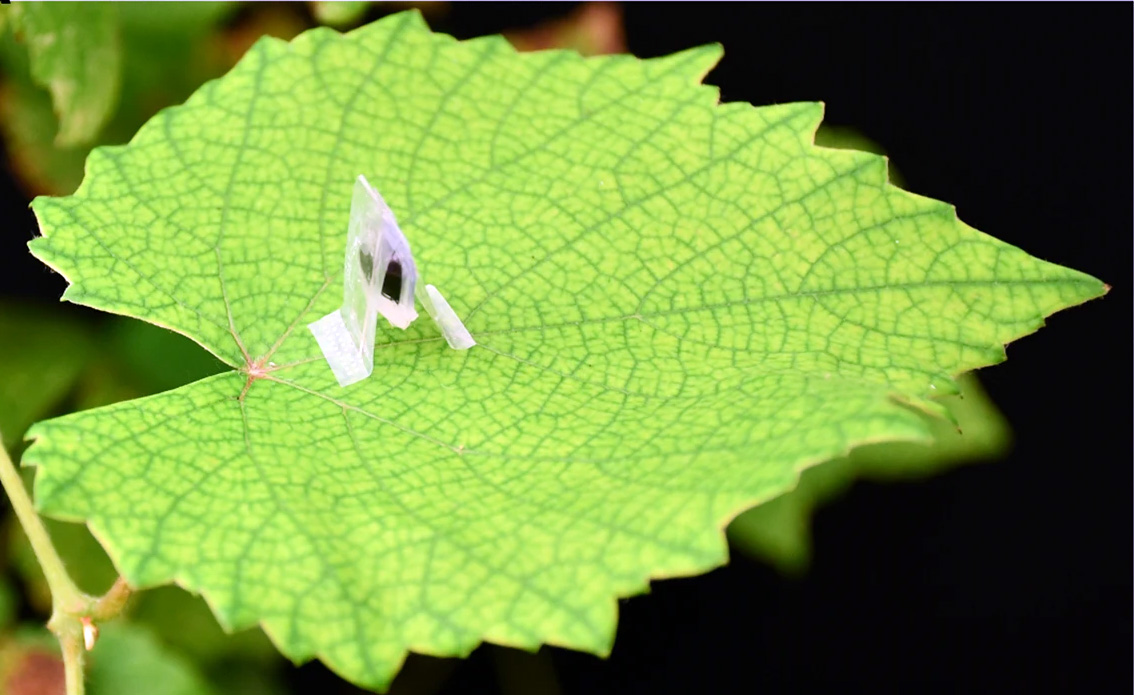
(779, 531)
(847, 138)
(42, 354)
(339, 14)
(163, 51)
(129, 660)
(591, 29)
(74, 50)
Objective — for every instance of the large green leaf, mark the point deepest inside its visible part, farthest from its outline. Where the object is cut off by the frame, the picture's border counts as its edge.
(679, 304)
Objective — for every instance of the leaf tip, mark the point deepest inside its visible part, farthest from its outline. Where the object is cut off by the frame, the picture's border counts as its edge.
(41, 248)
(693, 64)
(709, 56)
(410, 18)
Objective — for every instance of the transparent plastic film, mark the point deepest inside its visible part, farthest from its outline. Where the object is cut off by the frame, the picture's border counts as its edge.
(379, 277)
(452, 328)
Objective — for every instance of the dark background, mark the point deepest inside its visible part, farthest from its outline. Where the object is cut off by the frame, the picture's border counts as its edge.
(1013, 576)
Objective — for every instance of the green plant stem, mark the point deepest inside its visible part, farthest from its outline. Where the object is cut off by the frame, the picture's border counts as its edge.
(112, 602)
(72, 647)
(69, 604)
(63, 589)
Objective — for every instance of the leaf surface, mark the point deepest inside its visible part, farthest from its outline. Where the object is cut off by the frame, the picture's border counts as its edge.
(678, 305)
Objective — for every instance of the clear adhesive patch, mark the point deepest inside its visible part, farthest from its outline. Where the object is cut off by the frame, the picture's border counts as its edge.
(347, 361)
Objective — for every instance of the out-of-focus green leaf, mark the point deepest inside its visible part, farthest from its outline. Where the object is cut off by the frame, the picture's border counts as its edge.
(45, 353)
(339, 14)
(129, 660)
(75, 51)
(172, 18)
(779, 531)
(29, 128)
(158, 359)
(847, 138)
(139, 359)
(168, 49)
(41, 356)
(9, 602)
(185, 621)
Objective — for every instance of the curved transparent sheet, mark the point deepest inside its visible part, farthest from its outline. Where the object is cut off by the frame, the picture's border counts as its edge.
(379, 277)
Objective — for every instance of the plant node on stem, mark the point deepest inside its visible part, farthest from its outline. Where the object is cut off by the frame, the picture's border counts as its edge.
(73, 614)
